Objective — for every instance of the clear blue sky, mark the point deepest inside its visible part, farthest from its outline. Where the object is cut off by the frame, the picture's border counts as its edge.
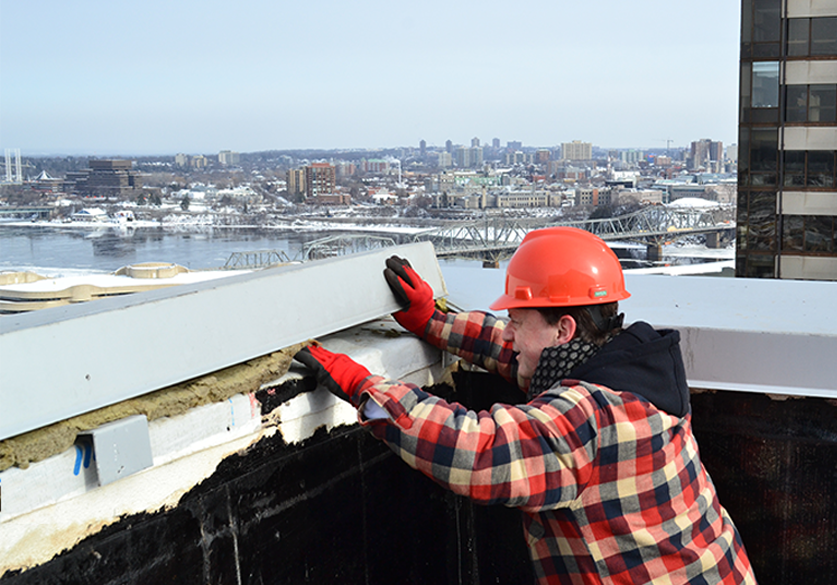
(107, 77)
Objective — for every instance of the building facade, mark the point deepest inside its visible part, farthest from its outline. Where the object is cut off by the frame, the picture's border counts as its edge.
(577, 150)
(787, 199)
(319, 179)
(295, 180)
(105, 178)
(229, 157)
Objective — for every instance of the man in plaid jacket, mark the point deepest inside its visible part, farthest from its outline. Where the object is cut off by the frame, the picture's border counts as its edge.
(600, 459)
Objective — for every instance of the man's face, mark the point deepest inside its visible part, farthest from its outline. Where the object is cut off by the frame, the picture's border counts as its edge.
(529, 334)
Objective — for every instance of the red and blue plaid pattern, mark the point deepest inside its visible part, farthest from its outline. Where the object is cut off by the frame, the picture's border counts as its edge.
(611, 488)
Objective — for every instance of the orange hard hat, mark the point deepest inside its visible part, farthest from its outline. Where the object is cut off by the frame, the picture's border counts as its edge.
(562, 267)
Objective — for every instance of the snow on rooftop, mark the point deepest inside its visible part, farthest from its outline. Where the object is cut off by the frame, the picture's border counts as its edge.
(694, 202)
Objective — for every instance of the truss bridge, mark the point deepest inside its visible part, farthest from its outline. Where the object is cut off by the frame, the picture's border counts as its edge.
(494, 238)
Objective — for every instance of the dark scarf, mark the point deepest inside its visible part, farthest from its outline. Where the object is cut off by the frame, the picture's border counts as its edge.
(556, 362)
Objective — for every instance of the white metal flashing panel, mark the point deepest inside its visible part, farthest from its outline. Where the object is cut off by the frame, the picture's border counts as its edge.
(809, 203)
(802, 8)
(810, 138)
(804, 72)
(808, 268)
(82, 357)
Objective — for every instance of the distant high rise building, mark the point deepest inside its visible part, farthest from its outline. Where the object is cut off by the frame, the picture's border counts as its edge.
(468, 157)
(181, 160)
(495, 143)
(463, 157)
(423, 148)
(445, 160)
(732, 153)
(295, 179)
(476, 156)
(699, 156)
(514, 145)
(319, 179)
(787, 140)
(449, 146)
(577, 150)
(198, 162)
(542, 156)
(228, 157)
(475, 141)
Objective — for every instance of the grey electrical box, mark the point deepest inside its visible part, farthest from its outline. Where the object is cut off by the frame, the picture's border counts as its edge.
(121, 448)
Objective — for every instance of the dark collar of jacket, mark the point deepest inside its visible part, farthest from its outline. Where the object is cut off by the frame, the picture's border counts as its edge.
(645, 362)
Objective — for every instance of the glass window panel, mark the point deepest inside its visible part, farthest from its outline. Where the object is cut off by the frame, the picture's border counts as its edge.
(766, 50)
(765, 86)
(746, 21)
(741, 237)
(740, 266)
(824, 36)
(764, 146)
(818, 233)
(760, 266)
(796, 103)
(797, 44)
(764, 115)
(762, 179)
(743, 150)
(793, 234)
(746, 73)
(820, 168)
(762, 225)
(822, 103)
(766, 21)
(794, 168)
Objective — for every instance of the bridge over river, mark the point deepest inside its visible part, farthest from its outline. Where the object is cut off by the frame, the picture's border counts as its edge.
(496, 237)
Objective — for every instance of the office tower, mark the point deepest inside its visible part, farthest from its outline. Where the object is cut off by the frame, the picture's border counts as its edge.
(495, 143)
(449, 146)
(577, 150)
(514, 145)
(319, 179)
(787, 140)
(475, 142)
(107, 178)
(423, 148)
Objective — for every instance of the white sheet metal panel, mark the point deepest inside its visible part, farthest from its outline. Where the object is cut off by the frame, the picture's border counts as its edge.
(801, 8)
(810, 138)
(78, 358)
(809, 203)
(805, 72)
(757, 335)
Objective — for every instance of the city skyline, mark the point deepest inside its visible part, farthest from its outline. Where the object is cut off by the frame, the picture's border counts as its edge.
(160, 79)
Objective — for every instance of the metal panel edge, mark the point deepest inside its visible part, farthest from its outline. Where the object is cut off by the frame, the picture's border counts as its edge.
(89, 356)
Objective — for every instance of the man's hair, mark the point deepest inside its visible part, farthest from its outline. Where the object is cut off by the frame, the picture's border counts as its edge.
(586, 321)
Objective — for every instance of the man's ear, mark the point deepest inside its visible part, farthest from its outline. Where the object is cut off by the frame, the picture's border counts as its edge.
(566, 329)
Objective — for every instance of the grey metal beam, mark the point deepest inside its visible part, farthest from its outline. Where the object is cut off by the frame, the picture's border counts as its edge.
(57, 363)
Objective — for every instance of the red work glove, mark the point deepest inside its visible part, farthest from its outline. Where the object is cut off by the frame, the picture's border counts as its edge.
(338, 372)
(412, 292)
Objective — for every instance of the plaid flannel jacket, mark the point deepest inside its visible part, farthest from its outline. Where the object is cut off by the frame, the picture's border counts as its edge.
(611, 488)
